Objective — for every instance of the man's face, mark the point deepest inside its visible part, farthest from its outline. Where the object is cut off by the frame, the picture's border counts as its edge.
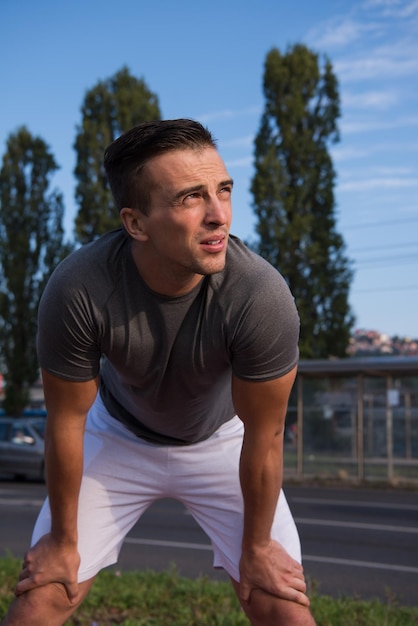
(188, 218)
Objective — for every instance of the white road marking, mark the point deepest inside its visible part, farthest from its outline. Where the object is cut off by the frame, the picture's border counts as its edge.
(357, 503)
(359, 525)
(21, 502)
(168, 544)
(354, 563)
(306, 557)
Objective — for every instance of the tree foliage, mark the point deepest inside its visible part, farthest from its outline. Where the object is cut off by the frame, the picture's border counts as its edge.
(31, 245)
(110, 108)
(293, 191)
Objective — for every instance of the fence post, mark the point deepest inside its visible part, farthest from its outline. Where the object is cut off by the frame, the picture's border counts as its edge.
(360, 423)
(299, 439)
(389, 428)
(408, 425)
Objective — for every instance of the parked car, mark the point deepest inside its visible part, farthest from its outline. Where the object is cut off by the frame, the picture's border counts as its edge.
(22, 447)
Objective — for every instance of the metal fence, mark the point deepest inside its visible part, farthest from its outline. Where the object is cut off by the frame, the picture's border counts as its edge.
(357, 425)
(354, 419)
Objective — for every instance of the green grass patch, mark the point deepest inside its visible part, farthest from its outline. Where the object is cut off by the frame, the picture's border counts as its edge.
(167, 599)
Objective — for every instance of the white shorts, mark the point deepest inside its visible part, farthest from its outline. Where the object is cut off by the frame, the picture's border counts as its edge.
(124, 475)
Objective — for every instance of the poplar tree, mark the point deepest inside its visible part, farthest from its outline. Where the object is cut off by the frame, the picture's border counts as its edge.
(293, 196)
(31, 245)
(110, 108)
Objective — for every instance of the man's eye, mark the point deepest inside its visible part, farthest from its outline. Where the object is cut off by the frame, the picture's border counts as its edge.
(191, 196)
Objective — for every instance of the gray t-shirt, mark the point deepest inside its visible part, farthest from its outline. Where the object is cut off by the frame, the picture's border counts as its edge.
(166, 363)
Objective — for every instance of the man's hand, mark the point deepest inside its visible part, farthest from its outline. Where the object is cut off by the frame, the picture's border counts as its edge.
(272, 569)
(49, 562)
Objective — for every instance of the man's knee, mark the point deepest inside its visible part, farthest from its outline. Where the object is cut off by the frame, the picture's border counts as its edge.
(48, 604)
(265, 610)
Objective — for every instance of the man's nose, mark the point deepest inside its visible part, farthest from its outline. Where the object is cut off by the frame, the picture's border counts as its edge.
(217, 211)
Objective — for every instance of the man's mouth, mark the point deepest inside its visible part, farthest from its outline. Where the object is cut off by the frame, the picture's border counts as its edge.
(214, 239)
(214, 244)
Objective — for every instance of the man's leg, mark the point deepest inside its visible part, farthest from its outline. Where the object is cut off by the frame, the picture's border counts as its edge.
(111, 501)
(206, 480)
(266, 610)
(44, 606)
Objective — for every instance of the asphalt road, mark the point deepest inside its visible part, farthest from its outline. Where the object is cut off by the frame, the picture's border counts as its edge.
(354, 541)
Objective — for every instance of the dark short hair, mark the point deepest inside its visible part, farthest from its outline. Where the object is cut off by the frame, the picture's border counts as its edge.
(125, 157)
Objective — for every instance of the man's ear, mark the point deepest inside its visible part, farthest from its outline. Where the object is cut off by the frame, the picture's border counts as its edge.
(134, 223)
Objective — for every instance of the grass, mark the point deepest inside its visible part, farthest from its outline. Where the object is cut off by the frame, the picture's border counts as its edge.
(166, 599)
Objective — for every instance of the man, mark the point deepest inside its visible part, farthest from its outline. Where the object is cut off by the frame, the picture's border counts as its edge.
(191, 341)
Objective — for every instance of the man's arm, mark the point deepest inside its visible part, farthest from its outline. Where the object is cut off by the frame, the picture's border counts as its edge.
(264, 564)
(55, 557)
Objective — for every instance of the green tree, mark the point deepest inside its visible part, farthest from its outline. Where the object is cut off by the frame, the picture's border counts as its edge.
(31, 245)
(293, 196)
(110, 108)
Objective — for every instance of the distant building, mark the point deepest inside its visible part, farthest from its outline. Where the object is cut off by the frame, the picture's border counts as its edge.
(373, 343)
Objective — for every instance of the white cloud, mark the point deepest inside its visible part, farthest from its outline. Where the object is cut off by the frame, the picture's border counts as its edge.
(228, 114)
(348, 153)
(377, 64)
(370, 99)
(390, 22)
(239, 142)
(391, 171)
(361, 126)
(339, 32)
(393, 8)
(378, 183)
(410, 9)
(243, 162)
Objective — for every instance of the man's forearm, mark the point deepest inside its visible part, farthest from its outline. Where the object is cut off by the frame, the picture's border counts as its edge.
(261, 481)
(64, 467)
(262, 407)
(67, 404)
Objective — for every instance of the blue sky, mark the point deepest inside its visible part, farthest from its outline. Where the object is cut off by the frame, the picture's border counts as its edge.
(205, 60)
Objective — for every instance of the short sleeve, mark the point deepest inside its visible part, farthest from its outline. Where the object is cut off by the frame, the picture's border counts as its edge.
(67, 340)
(265, 343)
